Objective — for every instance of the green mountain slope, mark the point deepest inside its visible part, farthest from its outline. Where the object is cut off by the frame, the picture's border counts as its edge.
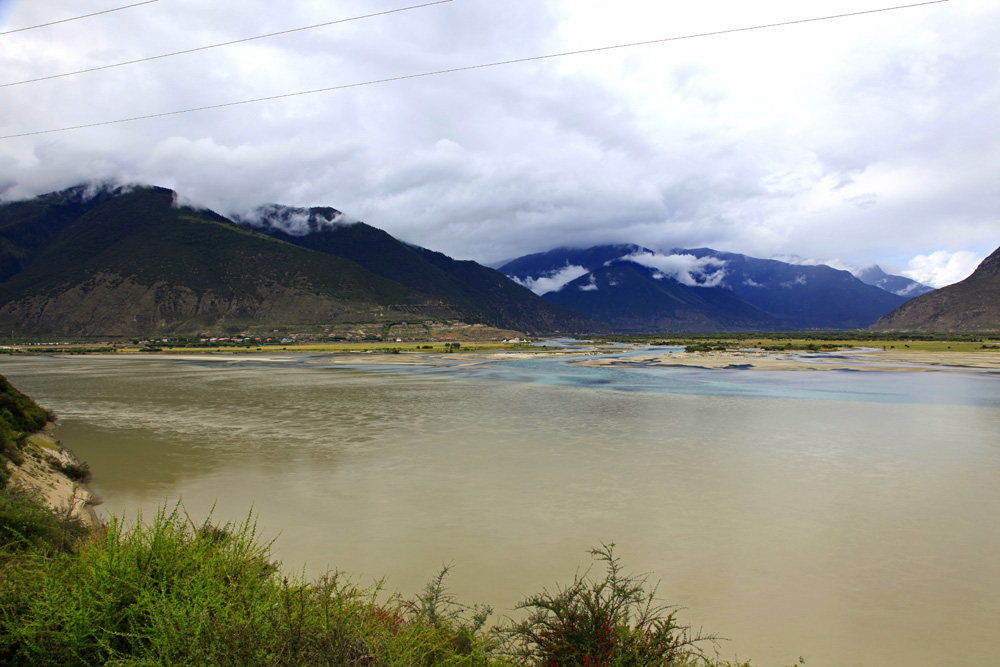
(133, 262)
(483, 294)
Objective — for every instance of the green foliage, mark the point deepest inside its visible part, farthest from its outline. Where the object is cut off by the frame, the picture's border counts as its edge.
(171, 592)
(17, 411)
(440, 609)
(705, 347)
(26, 524)
(78, 472)
(614, 621)
(19, 415)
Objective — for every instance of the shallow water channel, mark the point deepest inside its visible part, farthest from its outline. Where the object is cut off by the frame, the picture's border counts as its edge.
(851, 518)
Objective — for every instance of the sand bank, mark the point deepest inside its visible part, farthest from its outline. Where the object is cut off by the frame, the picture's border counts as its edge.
(985, 361)
(43, 455)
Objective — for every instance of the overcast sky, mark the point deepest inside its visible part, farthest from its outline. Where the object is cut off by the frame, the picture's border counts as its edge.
(872, 138)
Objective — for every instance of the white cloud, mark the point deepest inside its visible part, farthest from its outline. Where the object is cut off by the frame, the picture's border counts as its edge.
(799, 280)
(591, 286)
(292, 221)
(877, 142)
(554, 281)
(686, 269)
(942, 267)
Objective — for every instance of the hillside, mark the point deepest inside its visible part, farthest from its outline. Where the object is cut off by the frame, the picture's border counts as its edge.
(482, 294)
(131, 261)
(629, 297)
(802, 296)
(970, 305)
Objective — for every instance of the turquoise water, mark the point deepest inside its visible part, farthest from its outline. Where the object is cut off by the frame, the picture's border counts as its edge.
(932, 388)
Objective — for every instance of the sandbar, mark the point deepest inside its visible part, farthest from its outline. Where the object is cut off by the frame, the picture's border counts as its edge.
(984, 361)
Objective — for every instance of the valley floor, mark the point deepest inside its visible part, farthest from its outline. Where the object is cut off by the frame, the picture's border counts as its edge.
(855, 359)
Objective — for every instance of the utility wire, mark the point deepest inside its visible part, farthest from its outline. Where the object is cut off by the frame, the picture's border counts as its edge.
(215, 46)
(468, 68)
(77, 18)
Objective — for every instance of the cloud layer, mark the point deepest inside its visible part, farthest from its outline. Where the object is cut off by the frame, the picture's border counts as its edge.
(871, 138)
(685, 269)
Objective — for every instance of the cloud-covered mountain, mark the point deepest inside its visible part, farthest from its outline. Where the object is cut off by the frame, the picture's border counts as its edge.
(721, 291)
(136, 260)
(970, 305)
(628, 296)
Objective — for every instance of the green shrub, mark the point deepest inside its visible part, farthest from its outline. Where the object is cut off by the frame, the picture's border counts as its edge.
(78, 472)
(171, 592)
(614, 621)
(26, 524)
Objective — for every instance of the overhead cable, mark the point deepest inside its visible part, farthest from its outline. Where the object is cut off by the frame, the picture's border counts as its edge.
(466, 69)
(77, 18)
(215, 46)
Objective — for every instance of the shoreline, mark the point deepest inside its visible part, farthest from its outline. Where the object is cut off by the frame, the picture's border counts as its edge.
(40, 472)
(854, 359)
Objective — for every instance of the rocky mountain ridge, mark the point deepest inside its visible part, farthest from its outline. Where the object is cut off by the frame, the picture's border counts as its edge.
(968, 306)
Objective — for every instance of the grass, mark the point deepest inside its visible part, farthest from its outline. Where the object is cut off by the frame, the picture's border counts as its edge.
(42, 443)
(26, 525)
(170, 591)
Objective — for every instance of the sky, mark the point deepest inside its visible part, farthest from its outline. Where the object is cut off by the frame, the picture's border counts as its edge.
(851, 141)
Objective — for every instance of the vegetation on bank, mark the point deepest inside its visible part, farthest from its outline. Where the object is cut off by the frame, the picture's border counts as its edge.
(173, 592)
(817, 341)
(306, 342)
(19, 417)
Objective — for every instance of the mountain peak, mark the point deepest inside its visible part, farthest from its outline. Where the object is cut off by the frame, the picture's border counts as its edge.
(875, 275)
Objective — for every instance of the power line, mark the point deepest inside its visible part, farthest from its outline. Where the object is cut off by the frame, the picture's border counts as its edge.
(77, 18)
(215, 46)
(469, 68)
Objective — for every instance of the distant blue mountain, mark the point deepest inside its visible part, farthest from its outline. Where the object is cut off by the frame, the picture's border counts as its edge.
(874, 275)
(632, 288)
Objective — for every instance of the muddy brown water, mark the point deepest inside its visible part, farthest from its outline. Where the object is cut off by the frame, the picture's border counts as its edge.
(849, 528)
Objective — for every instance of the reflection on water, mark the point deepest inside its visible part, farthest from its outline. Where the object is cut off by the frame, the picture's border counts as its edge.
(847, 517)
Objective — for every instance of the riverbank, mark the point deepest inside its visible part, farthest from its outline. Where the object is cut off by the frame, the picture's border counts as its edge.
(48, 469)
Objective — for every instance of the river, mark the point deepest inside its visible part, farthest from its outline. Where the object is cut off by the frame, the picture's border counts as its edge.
(850, 518)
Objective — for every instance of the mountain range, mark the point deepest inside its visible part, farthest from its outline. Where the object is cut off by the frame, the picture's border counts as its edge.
(632, 288)
(131, 261)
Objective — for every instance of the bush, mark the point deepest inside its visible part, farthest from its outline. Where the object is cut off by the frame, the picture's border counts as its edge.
(609, 622)
(26, 524)
(173, 592)
(78, 472)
